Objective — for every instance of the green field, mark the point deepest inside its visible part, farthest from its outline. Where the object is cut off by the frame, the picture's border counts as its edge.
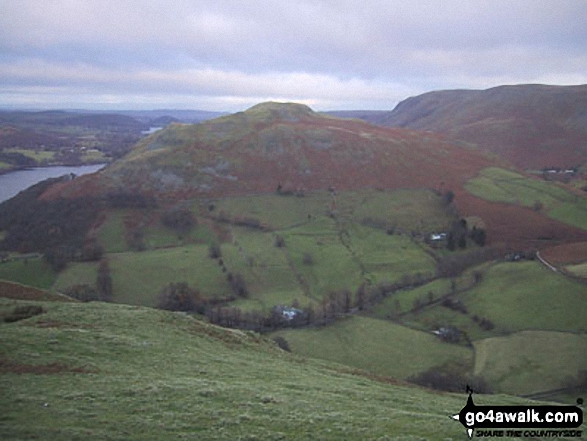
(344, 254)
(404, 301)
(76, 273)
(386, 258)
(139, 277)
(514, 296)
(34, 272)
(579, 270)
(112, 232)
(378, 346)
(405, 209)
(278, 211)
(269, 274)
(145, 374)
(419, 210)
(526, 295)
(39, 156)
(531, 361)
(500, 185)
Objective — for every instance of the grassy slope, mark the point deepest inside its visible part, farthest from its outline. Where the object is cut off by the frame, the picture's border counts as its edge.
(499, 185)
(519, 363)
(158, 375)
(402, 208)
(378, 346)
(345, 254)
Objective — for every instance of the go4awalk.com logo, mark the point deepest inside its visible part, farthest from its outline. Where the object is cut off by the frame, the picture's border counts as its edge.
(520, 421)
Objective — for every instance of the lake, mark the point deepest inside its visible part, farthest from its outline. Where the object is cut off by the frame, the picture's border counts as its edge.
(13, 182)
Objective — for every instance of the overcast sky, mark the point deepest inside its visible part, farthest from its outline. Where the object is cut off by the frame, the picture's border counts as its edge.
(230, 54)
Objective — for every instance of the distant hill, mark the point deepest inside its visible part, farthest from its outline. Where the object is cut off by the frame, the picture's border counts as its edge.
(371, 116)
(179, 115)
(533, 126)
(290, 146)
(58, 137)
(59, 118)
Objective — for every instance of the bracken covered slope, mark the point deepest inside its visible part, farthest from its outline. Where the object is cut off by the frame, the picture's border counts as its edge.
(532, 126)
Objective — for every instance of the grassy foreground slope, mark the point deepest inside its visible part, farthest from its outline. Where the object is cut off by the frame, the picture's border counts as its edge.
(103, 371)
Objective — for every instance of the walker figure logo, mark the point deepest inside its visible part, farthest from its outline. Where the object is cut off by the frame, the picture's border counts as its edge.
(490, 421)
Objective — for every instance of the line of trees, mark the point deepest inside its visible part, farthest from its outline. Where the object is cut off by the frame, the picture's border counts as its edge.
(334, 305)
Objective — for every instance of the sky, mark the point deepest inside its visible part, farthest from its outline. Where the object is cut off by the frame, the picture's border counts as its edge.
(227, 55)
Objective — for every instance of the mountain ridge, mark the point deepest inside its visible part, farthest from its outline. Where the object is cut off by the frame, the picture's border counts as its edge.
(530, 125)
(288, 144)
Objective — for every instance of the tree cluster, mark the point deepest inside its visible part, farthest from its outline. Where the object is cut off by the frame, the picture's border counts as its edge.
(82, 292)
(450, 380)
(453, 265)
(181, 220)
(17, 159)
(180, 297)
(40, 225)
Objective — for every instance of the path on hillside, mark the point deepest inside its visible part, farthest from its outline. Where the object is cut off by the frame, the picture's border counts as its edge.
(545, 263)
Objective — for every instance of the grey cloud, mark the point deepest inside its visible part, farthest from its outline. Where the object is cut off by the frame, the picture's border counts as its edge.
(261, 48)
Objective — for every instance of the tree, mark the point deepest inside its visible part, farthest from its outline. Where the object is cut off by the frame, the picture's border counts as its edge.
(346, 301)
(104, 281)
(478, 235)
(57, 257)
(181, 220)
(279, 241)
(448, 197)
(92, 251)
(178, 297)
(361, 297)
(238, 285)
(450, 241)
(136, 239)
(214, 251)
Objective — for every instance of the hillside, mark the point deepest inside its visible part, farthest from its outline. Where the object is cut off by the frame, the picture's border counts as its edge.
(289, 149)
(102, 371)
(533, 126)
(287, 145)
